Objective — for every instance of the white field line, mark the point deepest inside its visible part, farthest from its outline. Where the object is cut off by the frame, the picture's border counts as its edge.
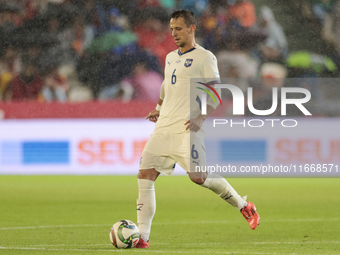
(166, 223)
(57, 226)
(46, 248)
(191, 244)
(142, 250)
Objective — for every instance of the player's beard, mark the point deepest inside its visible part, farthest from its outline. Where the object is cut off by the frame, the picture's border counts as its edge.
(181, 45)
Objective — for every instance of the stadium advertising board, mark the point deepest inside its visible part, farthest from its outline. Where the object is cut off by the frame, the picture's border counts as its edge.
(114, 147)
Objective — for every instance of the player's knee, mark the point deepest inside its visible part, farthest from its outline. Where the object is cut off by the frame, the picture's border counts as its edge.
(148, 174)
(198, 181)
(197, 178)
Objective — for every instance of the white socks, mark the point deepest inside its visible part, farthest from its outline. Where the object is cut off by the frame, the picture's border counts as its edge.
(146, 207)
(146, 203)
(221, 187)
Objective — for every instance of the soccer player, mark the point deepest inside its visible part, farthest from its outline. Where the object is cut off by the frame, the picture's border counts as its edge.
(170, 141)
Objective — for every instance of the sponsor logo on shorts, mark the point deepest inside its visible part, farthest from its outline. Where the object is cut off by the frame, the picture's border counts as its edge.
(196, 162)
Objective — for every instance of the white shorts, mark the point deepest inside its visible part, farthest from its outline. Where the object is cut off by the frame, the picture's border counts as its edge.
(164, 150)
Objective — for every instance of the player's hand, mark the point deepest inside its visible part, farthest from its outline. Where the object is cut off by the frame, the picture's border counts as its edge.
(153, 116)
(195, 124)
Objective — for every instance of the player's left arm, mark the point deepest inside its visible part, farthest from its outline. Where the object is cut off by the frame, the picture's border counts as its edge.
(211, 76)
(196, 123)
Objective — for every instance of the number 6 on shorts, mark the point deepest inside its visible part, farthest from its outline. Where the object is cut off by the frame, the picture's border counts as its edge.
(194, 153)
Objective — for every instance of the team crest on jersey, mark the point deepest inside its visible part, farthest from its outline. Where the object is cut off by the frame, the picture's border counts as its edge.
(188, 62)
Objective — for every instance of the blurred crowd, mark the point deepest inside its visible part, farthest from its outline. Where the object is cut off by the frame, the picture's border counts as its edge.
(79, 50)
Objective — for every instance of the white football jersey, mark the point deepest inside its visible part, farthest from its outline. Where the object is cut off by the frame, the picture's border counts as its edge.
(179, 69)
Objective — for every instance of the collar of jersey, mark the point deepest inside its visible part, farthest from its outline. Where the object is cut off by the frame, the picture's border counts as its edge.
(180, 53)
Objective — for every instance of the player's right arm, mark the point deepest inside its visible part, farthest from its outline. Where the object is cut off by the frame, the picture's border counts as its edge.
(154, 115)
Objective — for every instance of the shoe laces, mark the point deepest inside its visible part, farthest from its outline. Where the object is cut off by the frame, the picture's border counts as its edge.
(246, 214)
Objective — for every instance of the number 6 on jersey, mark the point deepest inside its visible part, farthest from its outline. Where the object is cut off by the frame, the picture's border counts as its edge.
(173, 77)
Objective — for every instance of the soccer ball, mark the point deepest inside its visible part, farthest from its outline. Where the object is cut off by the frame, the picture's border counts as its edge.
(124, 234)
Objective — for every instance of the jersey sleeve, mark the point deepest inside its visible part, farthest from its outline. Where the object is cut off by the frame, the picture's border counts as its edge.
(162, 94)
(209, 69)
(211, 76)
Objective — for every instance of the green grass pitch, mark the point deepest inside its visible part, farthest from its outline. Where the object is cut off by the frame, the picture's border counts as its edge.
(73, 215)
